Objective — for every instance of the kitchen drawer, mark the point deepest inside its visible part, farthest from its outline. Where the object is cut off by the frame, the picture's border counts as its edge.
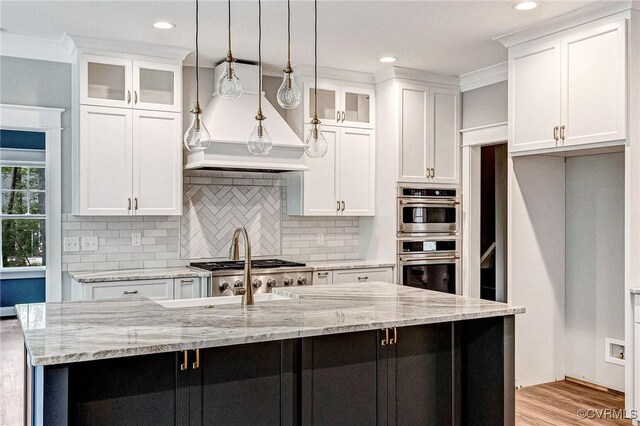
(363, 275)
(322, 277)
(190, 288)
(153, 289)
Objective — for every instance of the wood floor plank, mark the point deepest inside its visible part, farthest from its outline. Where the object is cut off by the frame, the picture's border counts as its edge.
(11, 373)
(557, 404)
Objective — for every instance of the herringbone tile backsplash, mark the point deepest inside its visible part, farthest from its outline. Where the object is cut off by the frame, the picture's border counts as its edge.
(215, 204)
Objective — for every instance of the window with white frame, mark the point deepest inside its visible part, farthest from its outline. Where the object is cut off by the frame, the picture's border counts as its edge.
(23, 213)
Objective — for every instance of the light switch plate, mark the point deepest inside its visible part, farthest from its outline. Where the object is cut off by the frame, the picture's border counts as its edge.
(89, 243)
(71, 244)
(136, 239)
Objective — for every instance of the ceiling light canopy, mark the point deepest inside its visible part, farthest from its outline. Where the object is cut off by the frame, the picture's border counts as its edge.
(163, 25)
(388, 59)
(525, 5)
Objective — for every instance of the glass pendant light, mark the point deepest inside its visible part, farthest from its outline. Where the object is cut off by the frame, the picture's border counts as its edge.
(315, 145)
(259, 141)
(229, 85)
(289, 95)
(197, 138)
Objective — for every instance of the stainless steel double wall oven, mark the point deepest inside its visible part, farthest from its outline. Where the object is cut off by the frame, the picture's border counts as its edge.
(428, 238)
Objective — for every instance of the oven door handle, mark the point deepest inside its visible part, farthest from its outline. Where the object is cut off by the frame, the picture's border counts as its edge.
(445, 202)
(427, 258)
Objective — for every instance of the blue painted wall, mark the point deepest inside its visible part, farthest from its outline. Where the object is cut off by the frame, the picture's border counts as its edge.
(26, 290)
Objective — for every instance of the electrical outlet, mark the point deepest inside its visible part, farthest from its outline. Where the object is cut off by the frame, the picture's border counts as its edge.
(136, 239)
(89, 243)
(71, 244)
(320, 239)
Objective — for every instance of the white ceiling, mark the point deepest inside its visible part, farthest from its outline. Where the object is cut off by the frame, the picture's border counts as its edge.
(448, 37)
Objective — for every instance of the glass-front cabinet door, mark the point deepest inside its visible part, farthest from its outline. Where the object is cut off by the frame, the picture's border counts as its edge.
(329, 105)
(156, 86)
(357, 107)
(105, 81)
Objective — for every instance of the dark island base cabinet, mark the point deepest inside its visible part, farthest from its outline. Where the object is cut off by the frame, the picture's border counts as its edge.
(458, 373)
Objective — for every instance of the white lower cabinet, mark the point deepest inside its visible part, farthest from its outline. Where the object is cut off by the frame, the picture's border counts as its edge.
(361, 275)
(157, 289)
(342, 183)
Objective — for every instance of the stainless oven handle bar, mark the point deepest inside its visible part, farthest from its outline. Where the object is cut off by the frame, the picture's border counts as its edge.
(447, 202)
(427, 258)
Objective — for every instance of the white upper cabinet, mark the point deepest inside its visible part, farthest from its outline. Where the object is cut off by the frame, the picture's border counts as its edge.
(569, 89)
(127, 83)
(157, 163)
(342, 183)
(429, 127)
(594, 85)
(105, 151)
(356, 172)
(534, 90)
(340, 105)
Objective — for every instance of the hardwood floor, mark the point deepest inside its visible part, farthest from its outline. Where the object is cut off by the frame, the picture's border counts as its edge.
(11, 373)
(557, 404)
(550, 404)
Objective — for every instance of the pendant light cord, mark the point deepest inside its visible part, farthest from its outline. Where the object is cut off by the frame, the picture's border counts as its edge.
(197, 61)
(259, 57)
(288, 33)
(315, 64)
(229, 23)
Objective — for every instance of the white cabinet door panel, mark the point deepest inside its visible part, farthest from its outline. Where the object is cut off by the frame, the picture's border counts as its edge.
(357, 171)
(153, 289)
(320, 180)
(188, 288)
(157, 86)
(105, 81)
(322, 277)
(358, 108)
(157, 163)
(413, 133)
(105, 178)
(594, 85)
(329, 103)
(446, 137)
(534, 95)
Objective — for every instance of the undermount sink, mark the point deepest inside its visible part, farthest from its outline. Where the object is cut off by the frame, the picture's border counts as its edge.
(210, 302)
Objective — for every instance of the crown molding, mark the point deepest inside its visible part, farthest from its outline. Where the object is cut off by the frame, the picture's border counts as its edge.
(76, 41)
(334, 74)
(415, 75)
(565, 21)
(484, 77)
(34, 48)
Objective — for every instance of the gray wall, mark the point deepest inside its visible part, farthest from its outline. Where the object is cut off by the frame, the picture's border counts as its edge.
(485, 105)
(595, 266)
(43, 84)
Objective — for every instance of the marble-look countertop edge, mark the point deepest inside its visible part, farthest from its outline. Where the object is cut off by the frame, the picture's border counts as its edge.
(137, 274)
(284, 335)
(356, 264)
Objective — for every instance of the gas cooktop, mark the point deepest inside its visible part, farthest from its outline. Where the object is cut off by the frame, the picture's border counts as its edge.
(239, 264)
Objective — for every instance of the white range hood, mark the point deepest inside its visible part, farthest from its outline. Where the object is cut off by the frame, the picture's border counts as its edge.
(231, 122)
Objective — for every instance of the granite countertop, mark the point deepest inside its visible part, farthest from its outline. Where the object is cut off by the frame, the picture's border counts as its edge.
(59, 333)
(138, 274)
(349, 264)
(635, 290)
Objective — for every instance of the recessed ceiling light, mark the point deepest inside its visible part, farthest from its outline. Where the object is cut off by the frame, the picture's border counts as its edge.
(162, 25)
(388, 59)
(525, 5)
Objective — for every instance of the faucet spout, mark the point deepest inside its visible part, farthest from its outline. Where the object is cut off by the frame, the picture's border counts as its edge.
(234, 254)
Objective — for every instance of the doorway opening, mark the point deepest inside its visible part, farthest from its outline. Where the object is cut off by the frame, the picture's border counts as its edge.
(493, 222)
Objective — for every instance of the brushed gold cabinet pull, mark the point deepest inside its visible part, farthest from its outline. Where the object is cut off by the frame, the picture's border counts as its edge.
(394, 339)
(562, 132)
(555, 133)
(344, 205)
(196, 364)
(136, 203)
(385, 341)
(185, 363)
(129, 204)
(338, 208)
